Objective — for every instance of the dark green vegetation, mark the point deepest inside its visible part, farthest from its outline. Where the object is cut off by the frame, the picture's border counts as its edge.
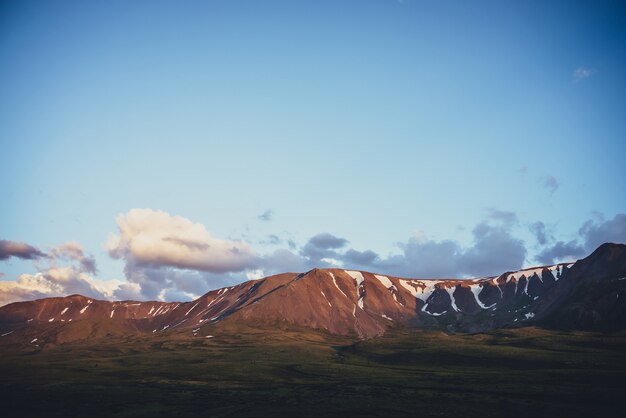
(255, 372)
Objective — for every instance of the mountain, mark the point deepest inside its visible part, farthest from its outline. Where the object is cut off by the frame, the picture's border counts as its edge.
(586, 295)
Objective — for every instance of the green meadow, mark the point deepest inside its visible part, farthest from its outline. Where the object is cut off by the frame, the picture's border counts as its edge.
(296, 372)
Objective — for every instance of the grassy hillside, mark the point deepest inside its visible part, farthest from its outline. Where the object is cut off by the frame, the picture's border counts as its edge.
(261, 372)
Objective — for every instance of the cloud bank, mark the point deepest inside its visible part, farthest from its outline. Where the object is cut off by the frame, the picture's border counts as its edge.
(591, 235)
(169, 257)
(65, 270)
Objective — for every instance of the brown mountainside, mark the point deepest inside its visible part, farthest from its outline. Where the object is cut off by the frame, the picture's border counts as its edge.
(584, 295)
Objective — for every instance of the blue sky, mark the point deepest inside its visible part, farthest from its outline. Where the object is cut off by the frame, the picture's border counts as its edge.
(388, 124)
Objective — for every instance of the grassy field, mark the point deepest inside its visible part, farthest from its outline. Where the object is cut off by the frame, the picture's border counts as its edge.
(263, 372)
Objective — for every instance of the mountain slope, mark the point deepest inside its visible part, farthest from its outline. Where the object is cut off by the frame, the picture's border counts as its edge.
(582, 295)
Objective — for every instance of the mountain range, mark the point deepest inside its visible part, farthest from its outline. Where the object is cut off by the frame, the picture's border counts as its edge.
(589, 294)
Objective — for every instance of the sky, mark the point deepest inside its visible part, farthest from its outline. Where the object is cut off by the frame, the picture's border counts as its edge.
(160, 149)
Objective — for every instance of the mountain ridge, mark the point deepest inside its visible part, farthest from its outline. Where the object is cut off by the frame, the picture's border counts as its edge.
(580, 295)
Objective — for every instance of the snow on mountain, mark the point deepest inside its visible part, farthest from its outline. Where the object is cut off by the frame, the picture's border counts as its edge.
(353, 302)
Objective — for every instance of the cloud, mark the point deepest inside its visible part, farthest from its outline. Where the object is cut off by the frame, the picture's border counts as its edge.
(283, 260)
(74, 251)
(591, 235)
(266, 216)
(551, 184)
(166, 255)
(172, 258)
(272, 239)
(18, 249)
(363, 258)
(67, 270)
(150, 238)
(493, 251)
(597, 232)
(560, 251)
(322, 246)
(424, 258)
(327, 241)
(581, 73)
(538, 229)
(507, 218)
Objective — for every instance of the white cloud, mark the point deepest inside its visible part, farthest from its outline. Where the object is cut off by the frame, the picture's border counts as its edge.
(57, 281)
(255, 275)
(331, 261)
(157, 239)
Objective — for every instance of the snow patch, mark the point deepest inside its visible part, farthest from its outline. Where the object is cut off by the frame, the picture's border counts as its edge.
(386, 317)
(450, 291)
(336, 285)
(34, 339)
(386, 282)
(112, 312)
(191, 308)
(209, 336)
(82, 311)
(64, 310)
(526, 273)
(326, 299)
(476, 289)
(529, 315)
(359, 279)
(419, 289)
(555, 271)
(395, 298)
(431, 313)
(7, 333)
(357, 276)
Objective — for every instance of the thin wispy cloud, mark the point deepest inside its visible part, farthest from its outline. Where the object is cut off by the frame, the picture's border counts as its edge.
(551, 184)
(582, 73)
(266, 216)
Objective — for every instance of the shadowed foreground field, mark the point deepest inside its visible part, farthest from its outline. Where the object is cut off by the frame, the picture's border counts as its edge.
(254, 372)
